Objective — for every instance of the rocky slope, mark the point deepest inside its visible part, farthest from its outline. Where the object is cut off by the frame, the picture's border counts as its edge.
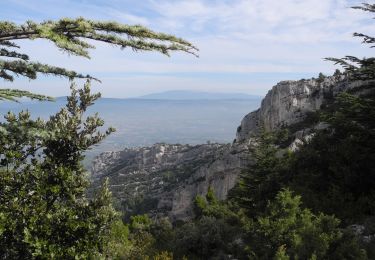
(164, 179)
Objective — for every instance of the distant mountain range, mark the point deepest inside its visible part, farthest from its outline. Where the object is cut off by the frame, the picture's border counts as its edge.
(198, 95)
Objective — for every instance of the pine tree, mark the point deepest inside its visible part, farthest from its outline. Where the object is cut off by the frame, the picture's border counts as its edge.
(260, 183)
(70, 36)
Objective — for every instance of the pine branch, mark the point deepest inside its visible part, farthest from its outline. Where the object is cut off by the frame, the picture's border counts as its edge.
(366, 39)
(13, 54)
(30, 70)
(13, 94)
(356, 68)
(66, 32)
(366, 7)
(5, 75)
(9, 44)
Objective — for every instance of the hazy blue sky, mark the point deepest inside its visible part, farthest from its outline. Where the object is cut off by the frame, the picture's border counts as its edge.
(245, 45)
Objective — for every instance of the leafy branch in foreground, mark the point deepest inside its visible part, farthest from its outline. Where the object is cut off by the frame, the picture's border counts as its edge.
(75, 36)
(13, 94)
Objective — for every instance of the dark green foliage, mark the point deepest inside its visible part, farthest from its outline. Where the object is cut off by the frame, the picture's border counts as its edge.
(210, 196)
(118, 242)
(137, 205)
(356, 68)
(261, 181)
(202, 239)
(45, 213)
(334, 171)
(200, 204)
(140, 223)
(141, 238)
(214, 234)
(298, 233)
(348, 246)
(162, 231)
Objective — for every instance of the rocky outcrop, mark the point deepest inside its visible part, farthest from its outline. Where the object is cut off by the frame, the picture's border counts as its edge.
(164, 179)
(221, 174)
(289, 102)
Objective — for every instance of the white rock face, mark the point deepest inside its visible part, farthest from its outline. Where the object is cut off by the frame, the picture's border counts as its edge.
(220, 174)
(288, 103)
(172, 175)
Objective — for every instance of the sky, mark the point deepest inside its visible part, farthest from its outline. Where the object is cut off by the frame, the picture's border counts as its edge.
(245, 45)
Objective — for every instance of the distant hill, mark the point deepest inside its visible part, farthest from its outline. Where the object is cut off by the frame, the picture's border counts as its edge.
(197, 95)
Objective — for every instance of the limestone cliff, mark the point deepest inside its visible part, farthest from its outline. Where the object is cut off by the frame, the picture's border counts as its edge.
(289, 102)
(164, 179)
